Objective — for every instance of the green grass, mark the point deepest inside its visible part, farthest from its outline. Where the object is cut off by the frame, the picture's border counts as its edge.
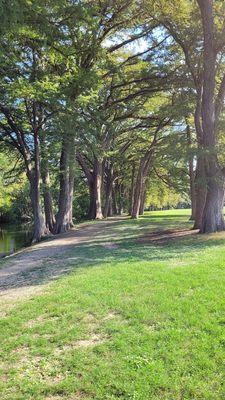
(141, 321)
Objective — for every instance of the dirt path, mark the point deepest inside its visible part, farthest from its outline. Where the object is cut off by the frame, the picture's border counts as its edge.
(25, 273)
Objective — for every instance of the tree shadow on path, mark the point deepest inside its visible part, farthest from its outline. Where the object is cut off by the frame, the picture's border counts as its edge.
(113, 241)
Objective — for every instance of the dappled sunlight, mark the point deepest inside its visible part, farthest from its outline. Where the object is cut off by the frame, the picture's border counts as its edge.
(116, 240)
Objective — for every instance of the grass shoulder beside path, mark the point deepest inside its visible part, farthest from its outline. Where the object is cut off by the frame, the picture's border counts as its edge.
(132, 319)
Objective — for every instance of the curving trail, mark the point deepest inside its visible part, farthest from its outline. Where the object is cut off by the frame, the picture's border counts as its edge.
(29, 271)
(25, 272)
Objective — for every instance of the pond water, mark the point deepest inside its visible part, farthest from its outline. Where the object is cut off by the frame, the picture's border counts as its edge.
(13, 238)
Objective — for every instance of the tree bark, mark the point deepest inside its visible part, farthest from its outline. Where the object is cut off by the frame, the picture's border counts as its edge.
(121, 199)
(97, 175)
(191, 175)
(48, 205)
(108, 191)
(213, 215)
(132, 189)
(39, 223)
(114, 201)
(200, 187)
(110, 211)
(94, 180)
(212, 218)
(142, 204)
(64, 215)
(71, 191)
(192, 193)
(200, 192)
(33, 174)
(138, 191)
(140, 182)
(90, 181)
(45, 176)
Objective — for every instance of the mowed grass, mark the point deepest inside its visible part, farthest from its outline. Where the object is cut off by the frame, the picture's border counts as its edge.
(133, 321)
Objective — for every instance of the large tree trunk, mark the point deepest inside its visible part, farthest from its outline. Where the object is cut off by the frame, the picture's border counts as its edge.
(200, 187)
(142, 204)
(200, 191)
(140, 184)
(97, 186)
(110, 211)
(39, 223)
(45, 176)
(71, 191)
(33, 175)
(143, 171)
(121, 199)
(191, 175)
(64, 215)
(137, 192)
(213, 215)
(115, 210)
(132, 189)
(192, 193)
(48, 205)
(212, 218)
(94, 179)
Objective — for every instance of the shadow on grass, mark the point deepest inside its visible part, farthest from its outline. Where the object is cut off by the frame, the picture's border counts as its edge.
(116, 243)
(167, 216)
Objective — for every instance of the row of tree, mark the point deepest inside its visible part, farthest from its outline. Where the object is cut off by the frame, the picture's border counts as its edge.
(118, 95)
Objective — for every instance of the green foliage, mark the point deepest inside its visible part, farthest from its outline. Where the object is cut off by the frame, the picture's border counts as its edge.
(14, 193)
(160, 196)
(81, 199)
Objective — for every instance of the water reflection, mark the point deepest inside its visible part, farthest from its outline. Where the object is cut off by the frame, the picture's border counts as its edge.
(13, 238)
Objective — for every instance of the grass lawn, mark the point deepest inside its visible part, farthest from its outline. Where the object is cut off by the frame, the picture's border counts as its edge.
(131, 321)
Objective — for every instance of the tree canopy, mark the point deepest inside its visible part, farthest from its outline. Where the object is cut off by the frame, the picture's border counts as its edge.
(111, 107)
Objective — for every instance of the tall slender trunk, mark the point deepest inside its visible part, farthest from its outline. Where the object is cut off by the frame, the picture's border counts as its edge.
(200, 190)
(110, 211)
(138, 191)
(71, 191)
(191, 174)
(45, 176)
(132, 189)
(108, 191)
(192, 191)
(121, 199)
(200, 187)
(39, 223)
(114, 200)
(97, 175)
(140, 182)
(94, 180)
(142, 203)
(33, 174)
(143, 171)
(48, 204)
(64, 215)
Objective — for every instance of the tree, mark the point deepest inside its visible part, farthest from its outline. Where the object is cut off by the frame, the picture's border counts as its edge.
(202, 45)
(212, 105)
(50, 63)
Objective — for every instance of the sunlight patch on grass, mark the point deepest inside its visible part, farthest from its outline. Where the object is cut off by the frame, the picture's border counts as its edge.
(139, 322)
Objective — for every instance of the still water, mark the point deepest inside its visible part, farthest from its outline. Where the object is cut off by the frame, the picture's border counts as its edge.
(13, 238)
